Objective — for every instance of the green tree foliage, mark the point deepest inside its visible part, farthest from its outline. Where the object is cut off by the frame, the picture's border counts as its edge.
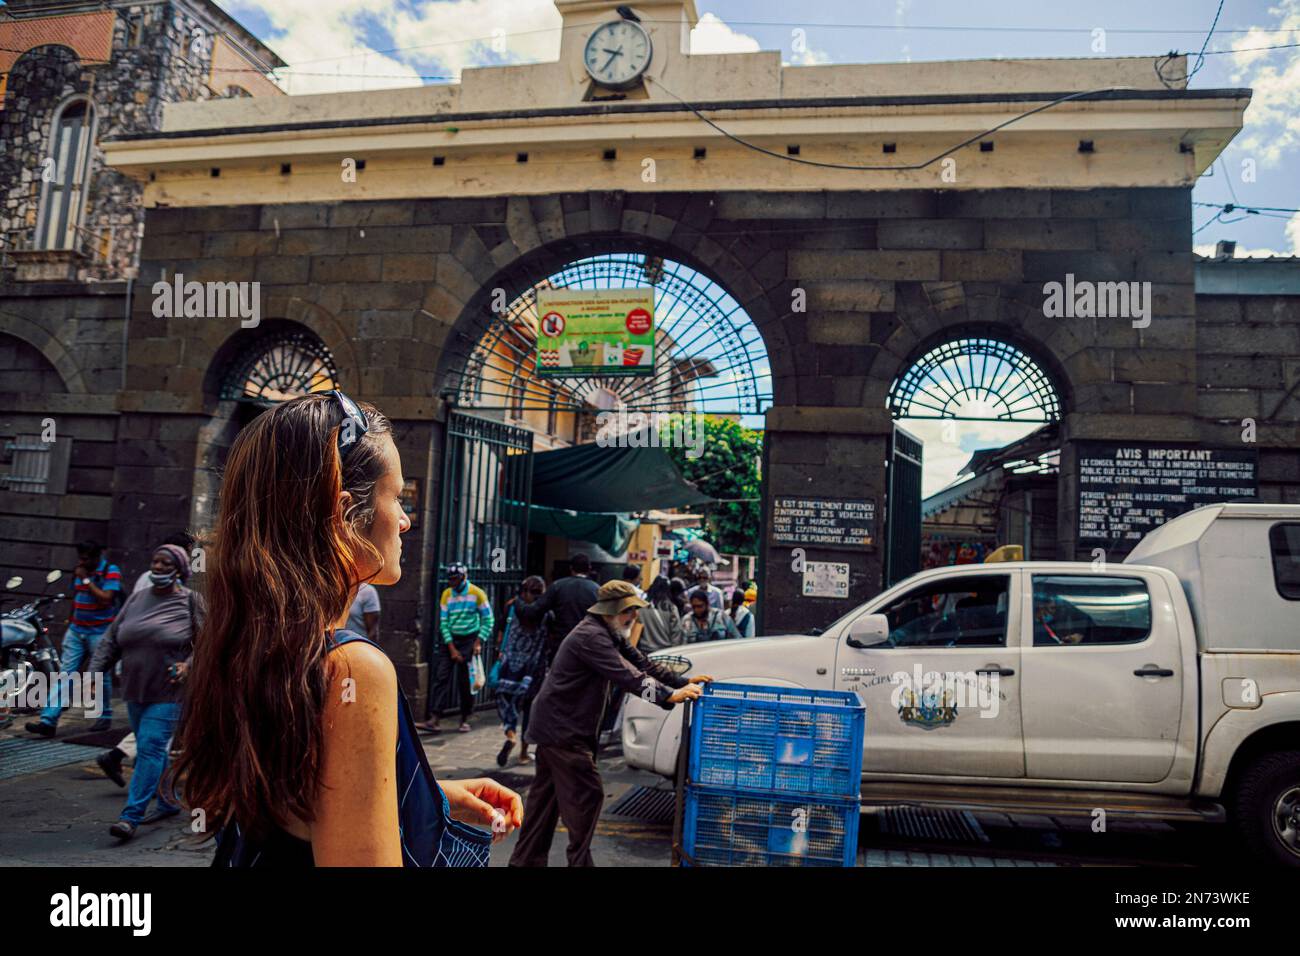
(727, 468)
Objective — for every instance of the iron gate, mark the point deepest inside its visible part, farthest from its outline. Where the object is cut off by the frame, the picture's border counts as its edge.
(487, 479)
(903, 508)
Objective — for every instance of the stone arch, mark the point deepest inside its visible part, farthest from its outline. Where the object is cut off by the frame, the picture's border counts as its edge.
(286, 312)
(927, 314)
(542, 234)
(49, 346)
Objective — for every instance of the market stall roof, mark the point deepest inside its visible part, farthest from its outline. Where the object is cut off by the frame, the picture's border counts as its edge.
(608, 531)
(971, 505)
(611, 479)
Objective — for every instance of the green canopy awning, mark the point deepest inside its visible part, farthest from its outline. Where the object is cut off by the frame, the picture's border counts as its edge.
(609, 532)
(611, 479)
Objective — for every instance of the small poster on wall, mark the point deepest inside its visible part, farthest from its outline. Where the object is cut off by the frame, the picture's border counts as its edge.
(829, 579)
(595, 332)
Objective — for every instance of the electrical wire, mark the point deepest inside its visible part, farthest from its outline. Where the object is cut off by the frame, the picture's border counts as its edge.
(886, 168)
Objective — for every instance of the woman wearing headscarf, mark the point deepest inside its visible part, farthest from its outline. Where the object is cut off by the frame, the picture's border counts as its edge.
(153, 637)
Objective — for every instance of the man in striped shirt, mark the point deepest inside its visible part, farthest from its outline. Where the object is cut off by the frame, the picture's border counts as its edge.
(465, 622)
(95, 605)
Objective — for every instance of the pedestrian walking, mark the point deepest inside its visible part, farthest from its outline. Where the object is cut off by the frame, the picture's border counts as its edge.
(521, 667)
(567, 601)
(705, 623)
(363, 617)
(296, 741)
(567, 715)
(110, 762)
(465, 622)
(678, 587)
(704, 585)
(660, 620)
(632, 575)
(740, 614)
(153, 637)
(97, 599)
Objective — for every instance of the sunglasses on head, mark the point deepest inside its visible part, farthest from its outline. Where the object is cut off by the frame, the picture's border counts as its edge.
(354, 425)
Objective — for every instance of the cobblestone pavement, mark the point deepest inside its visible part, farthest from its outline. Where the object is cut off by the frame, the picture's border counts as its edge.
(60, 816)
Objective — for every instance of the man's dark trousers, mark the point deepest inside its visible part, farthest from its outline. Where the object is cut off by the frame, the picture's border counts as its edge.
(566, 787)
(449, 682)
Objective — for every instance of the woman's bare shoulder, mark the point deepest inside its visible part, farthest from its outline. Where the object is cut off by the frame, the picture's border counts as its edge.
(358, 664)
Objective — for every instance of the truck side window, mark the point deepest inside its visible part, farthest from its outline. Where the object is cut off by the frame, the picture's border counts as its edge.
(1284, 542)
(965, 611)
(1072, 610)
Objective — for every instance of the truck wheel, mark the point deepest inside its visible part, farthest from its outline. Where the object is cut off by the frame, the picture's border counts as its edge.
(1267, 808)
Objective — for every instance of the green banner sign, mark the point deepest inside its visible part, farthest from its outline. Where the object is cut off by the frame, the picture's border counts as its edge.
(584, 332)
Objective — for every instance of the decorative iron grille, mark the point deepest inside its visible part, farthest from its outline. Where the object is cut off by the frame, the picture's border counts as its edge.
(975, 379)
(279, 366)
(709, 356)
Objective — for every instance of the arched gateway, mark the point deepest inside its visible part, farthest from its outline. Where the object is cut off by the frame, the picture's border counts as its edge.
(850, 270)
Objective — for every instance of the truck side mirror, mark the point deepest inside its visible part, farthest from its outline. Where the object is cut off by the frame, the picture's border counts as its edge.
(870, 630)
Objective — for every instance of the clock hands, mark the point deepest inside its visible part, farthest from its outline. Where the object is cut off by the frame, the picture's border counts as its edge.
(612, 54)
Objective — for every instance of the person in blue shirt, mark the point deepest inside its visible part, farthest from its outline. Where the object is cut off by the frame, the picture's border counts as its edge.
(97, 597)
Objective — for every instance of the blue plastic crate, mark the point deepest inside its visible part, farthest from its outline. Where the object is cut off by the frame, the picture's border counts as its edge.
(735, 828)
(782, 739)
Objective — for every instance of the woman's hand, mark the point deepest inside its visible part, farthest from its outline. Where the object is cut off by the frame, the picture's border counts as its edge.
(485, 802)
(179, 671)
(700, 679)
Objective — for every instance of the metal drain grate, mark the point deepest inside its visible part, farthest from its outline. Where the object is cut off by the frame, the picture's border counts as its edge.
(645, 804)
(927, 824)
(19, 756)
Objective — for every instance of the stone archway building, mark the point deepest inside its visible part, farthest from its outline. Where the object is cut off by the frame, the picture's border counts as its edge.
(455, 192)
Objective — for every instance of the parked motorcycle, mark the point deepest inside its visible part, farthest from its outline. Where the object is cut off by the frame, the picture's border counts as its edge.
(25, 646)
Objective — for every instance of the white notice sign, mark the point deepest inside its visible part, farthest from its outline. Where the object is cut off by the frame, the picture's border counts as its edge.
(826, 579)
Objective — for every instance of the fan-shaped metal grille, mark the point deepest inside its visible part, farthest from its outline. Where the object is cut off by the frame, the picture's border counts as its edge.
(709, 356)
(975, 379)
(280, 366)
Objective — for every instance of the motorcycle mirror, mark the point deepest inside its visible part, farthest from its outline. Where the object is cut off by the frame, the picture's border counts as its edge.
(13, 582)
(53, 576)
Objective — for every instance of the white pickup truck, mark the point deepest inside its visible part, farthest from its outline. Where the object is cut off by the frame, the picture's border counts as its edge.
(1165, 687)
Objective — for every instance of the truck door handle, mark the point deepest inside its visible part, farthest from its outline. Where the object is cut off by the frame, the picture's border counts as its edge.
(994, 669)
(1150, 671)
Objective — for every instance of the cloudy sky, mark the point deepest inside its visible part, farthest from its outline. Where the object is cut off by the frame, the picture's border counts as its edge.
(371, 44)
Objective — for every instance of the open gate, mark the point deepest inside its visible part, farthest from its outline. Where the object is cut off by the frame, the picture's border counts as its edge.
(903, 508)
(487, 478)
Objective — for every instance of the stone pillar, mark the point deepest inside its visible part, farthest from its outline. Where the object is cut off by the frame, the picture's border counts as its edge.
(823, 452)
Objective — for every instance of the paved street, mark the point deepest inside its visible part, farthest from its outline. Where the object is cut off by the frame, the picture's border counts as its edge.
(60, 816)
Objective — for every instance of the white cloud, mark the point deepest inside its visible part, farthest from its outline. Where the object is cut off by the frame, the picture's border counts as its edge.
(1272, 122)
(712, 35)
(321, 39)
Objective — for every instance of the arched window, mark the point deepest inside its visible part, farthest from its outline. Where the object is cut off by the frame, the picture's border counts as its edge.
(708, 355)
(64, 171)
(976, 379)
(278, 367)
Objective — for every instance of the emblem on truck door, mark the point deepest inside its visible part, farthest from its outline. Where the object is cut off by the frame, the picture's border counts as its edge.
(929, 710)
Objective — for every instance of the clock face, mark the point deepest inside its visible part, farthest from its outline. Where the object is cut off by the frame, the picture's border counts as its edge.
(617, 53)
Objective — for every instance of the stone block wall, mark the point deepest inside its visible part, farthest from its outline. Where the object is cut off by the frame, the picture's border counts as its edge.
(846, 290)
(153, 61)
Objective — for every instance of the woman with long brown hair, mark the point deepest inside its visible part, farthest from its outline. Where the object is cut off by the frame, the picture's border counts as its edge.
(290, 722)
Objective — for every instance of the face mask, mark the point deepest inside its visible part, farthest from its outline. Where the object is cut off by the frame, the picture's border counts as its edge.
(162, 580)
